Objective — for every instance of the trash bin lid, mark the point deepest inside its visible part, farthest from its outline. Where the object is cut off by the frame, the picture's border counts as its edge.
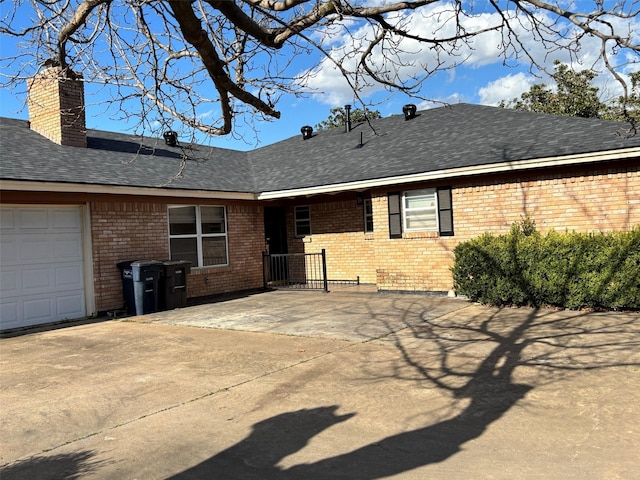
(145, 263)
(176, 262)
(125, 264)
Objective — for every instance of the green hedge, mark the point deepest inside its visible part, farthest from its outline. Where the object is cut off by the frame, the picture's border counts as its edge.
(569, 270)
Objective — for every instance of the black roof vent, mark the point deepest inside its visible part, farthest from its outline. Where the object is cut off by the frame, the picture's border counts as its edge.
(170, 138)
(307, 132)
(409, 111)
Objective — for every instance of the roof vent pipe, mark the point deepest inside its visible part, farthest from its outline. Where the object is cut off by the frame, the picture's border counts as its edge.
(347, 123)
(307, 132)
(409, 111)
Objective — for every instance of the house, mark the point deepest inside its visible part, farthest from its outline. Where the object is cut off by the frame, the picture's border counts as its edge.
(388, 201)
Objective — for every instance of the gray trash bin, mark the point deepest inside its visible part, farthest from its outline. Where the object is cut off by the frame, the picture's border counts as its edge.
(127, 285)
(146, 277)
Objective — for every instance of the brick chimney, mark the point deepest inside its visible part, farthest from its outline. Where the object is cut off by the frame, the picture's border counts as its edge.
(56, 106)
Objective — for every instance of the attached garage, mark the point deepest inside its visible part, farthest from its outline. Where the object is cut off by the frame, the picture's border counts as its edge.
(41, 265)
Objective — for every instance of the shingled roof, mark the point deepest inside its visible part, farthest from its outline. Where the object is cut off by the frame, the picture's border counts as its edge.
(441, 141)
(115, 159)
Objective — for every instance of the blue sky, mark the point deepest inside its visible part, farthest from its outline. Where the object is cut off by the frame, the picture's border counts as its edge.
(484, 79)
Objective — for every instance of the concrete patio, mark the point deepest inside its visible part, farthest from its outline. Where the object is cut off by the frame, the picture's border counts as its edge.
(353, 385)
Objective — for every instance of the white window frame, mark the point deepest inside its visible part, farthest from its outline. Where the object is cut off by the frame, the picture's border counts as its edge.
(368, 215)
(407, 213)
(199, 235)
(299, 222)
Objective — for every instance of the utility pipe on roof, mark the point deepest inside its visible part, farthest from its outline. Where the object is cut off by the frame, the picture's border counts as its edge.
(347, 123)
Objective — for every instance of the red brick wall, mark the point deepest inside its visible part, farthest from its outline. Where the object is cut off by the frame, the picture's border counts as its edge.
(131, 230)
(600, 200)
(245, 224)
(56, 107)
(338, 227)
(124, 231)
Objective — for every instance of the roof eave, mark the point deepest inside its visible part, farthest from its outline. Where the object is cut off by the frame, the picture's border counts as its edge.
(494, 168)
(32, 186)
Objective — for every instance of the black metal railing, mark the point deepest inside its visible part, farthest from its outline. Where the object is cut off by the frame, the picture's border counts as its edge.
(295, 270)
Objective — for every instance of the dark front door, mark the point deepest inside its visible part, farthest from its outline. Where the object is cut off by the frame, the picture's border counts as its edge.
(275, 229)
(276, 269)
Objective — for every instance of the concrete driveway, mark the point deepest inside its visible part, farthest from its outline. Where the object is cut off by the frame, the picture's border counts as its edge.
(304, 385)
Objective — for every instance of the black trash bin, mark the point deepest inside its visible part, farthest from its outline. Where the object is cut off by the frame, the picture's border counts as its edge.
(173, 284)
(146, 277)
(126, 276)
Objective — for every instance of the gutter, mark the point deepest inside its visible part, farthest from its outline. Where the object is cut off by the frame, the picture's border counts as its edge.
(31, 186)
(502, 167)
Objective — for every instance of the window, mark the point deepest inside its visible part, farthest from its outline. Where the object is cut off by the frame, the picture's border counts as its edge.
(420, 210)
(302, 220)
(429, 209)
(198, 234)
(368, 216)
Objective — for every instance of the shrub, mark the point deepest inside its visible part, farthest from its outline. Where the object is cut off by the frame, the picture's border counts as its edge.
(569, 270)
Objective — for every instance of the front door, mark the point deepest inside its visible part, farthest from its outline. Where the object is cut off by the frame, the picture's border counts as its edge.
(275, 229)
(275, 232)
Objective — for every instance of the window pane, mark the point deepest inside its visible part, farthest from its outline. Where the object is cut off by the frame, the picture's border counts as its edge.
(423, 220)
(214, 251)
(368, 210)
(368, 216)
(182, 220)
(212, 219)
(420, 199)
(303, 228)
(369, 225)
(303, 220)
(420, 210)
(302, 213)
(185, 249)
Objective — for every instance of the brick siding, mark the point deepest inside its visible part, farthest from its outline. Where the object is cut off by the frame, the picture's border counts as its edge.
(56, 107)
(128, 228)
(133, 230)
(338, 227)
(599, 200)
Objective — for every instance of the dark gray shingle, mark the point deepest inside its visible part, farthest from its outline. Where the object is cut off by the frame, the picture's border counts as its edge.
(443, 138)
(457, 136)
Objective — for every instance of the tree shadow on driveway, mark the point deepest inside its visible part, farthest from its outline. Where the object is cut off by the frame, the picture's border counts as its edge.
(478, 362)
(70, 466)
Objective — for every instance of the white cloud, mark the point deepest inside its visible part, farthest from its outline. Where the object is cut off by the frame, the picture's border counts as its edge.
(506, 88)
(411, 59)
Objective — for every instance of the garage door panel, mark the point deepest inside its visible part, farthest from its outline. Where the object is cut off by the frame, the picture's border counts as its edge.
(70, 306)
(36, 280)
(37, 310)
(67, 248)
(33, 218)
(34, 249)
(9, 282)
(9, 249)
(7, 220)
(64, 219)
(42, 270)
(69, 276)
(9, 313)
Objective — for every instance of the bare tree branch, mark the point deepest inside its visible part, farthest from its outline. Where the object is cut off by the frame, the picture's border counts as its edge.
(206, 63)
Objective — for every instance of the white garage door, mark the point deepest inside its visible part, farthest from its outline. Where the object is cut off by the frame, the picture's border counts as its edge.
(41, 266)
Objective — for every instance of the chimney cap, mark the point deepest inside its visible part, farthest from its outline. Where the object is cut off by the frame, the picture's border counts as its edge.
(307, 132)
(409, 111)
(170, 138)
